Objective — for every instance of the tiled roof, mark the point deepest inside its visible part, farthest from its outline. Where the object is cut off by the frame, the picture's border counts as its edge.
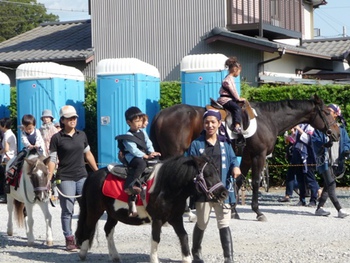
(62, 41)
(337, 48)
(220, 33)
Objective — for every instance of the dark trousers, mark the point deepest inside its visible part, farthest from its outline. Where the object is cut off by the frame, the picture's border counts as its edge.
(235, 110)
(329, 190)
(136, 168)
(2, 179)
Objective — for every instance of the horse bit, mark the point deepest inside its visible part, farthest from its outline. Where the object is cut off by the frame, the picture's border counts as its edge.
(200, 182)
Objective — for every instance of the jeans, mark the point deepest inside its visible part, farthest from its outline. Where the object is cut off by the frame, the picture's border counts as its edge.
(70, 189)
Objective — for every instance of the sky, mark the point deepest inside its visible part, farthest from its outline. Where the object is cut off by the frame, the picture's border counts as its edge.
(67, 9)
(329, 18)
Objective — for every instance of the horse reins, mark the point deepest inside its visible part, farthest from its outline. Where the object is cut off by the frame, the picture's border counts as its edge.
(328, 125)
(200, 183)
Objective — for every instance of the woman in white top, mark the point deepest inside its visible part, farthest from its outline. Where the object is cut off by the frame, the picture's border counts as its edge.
(9, 141)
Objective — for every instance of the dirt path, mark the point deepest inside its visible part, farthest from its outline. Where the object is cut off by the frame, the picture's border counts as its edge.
(292, 234)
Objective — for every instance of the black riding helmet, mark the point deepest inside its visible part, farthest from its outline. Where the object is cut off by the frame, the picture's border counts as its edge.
(132, 113)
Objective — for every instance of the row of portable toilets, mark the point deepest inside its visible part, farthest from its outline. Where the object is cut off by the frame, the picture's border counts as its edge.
(121, 83)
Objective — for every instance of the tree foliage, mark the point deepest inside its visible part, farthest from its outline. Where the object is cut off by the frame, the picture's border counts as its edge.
(19, 16)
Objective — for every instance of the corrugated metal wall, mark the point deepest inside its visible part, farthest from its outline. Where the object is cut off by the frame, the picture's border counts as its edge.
(159, 32)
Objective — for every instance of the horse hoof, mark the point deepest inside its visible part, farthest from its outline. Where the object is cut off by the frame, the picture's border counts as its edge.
(30, 243)
(262, 218)
(49, 243)
(82, 255)
(10, 233)
(235, 216)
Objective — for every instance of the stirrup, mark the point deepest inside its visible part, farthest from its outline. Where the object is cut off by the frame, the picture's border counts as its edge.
(132, 209)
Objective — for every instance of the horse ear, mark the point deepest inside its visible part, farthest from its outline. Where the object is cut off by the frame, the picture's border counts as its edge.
(46, 160)
(31, 162)
(200, 161)
(317, 99)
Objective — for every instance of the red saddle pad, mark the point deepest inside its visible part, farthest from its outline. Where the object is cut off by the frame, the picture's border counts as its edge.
(114, 187)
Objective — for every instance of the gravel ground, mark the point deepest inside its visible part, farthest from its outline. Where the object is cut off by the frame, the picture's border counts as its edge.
(291, 234)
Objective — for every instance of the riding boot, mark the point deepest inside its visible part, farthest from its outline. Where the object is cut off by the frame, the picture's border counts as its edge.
(226, 243)
(197, 244)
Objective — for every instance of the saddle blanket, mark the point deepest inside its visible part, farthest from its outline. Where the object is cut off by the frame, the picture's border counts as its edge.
(114, 187)
(15, 181)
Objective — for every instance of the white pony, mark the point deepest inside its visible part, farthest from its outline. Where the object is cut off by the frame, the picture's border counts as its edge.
(33, 188)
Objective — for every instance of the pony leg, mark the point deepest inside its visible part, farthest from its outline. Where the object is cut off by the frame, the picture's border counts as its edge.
(178, 226)
(48, 218)
(29, 222)
(156, 230)
(109, 230)
(10, 215)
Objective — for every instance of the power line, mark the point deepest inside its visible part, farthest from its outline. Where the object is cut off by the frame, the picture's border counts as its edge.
(42, 5)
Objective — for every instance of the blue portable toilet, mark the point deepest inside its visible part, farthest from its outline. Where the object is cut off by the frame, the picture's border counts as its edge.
(122, 83)
(4, 95)
(48, 85)
(201, 77)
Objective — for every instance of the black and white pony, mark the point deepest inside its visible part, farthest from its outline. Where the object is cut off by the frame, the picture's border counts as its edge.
(32, 188)
(173, 182)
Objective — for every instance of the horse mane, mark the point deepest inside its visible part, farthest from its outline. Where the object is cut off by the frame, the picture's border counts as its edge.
(273, 106)
(176, 175)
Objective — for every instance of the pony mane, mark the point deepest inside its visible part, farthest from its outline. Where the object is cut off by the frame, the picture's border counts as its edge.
(175, 173)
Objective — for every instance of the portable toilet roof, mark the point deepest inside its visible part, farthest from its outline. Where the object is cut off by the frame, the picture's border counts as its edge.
(44, 70)
(203, 63)
(4, 79)
(112, 66)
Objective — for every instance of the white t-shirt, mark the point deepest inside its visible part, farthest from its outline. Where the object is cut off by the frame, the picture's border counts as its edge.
(10, 138)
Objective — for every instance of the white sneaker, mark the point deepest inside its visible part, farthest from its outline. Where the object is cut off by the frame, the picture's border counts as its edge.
(342, 213)
(322, 212)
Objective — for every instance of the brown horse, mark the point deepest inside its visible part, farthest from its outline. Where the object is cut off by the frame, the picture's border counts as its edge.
(173, 129)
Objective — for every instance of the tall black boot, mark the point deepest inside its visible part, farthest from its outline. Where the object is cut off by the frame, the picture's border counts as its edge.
(197, 244)
(226, 243)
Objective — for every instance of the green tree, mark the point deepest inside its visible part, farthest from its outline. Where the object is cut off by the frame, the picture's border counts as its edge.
(19, 16)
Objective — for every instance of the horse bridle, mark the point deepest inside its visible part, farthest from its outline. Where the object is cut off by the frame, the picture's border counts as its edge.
(328, 125)
(202, 185)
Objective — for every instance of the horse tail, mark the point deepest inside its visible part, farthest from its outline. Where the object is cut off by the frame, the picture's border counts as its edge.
(90, 207)
(19, 212)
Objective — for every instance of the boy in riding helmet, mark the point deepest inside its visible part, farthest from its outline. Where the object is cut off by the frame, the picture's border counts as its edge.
(137, 149)
(135, 154)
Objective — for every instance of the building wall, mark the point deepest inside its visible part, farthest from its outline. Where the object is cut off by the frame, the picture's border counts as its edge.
(159, 32)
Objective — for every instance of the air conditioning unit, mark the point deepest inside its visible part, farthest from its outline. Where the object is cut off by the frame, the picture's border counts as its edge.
(317, 32)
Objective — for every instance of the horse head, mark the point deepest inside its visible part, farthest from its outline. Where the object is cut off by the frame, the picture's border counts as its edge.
(324, 120)
(38, 173)
(208, 179)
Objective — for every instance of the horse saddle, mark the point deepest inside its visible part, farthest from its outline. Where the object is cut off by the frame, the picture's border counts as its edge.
(122, 171)
(249, 123)
(114, 184)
